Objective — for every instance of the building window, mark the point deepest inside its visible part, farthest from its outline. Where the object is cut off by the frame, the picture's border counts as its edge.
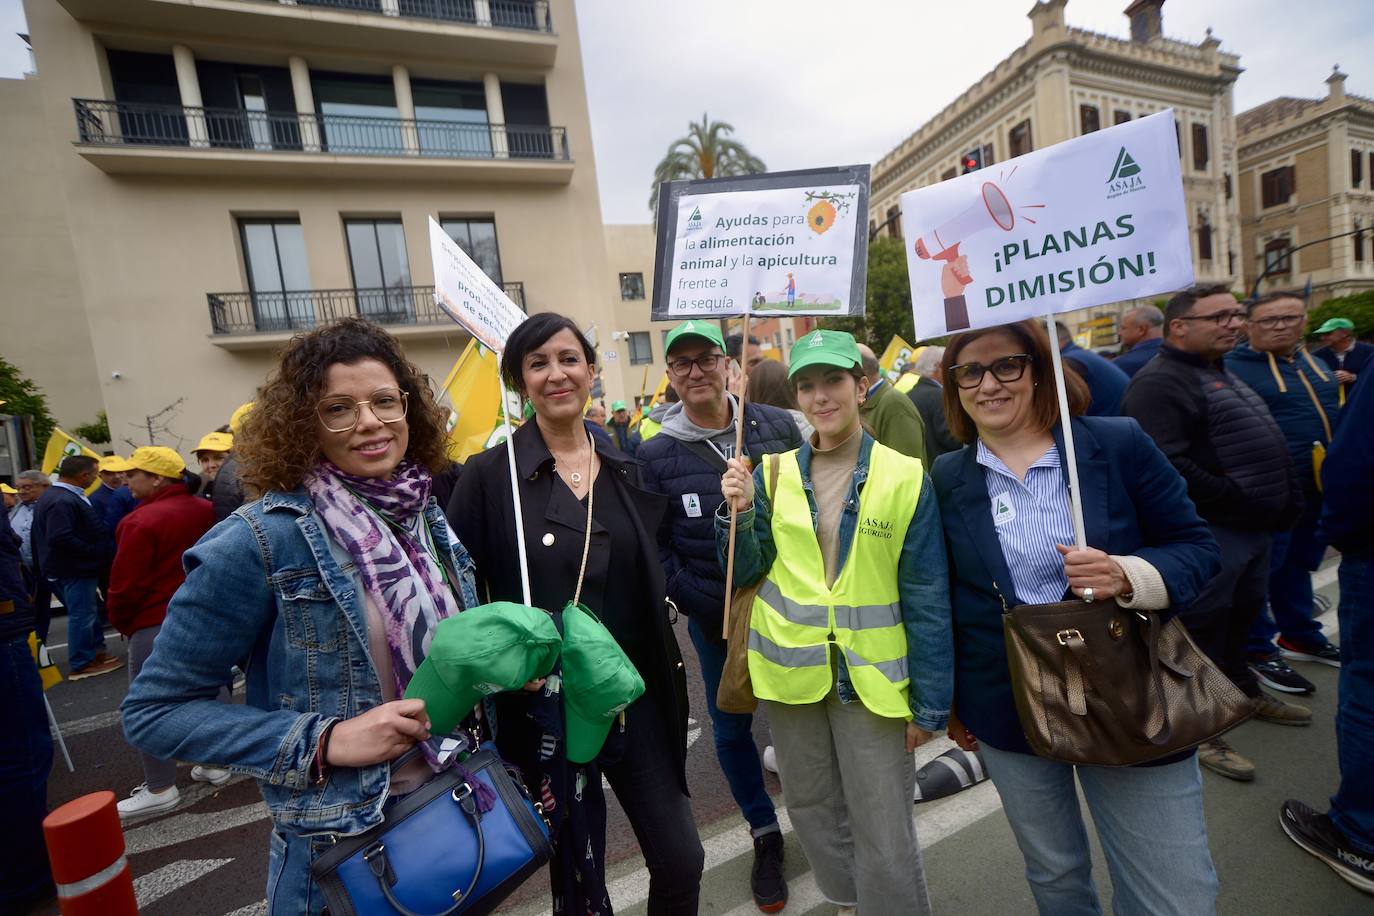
(1201, 153)
(1089, 119)
(894, 222)
(788, 332)
(1120, 117)
(1231, 262)
(452, 118)
(381, 270)
(1276, 186)
(641, 350)
(949, 174)
(359, 113)
(1228, 185)
(988, 157)
(631, 286)
(1359, 244)
(1277, 261)
(1019, 139)
(278, 275)
(477, 238)
(1204, 239)
(1356, 168)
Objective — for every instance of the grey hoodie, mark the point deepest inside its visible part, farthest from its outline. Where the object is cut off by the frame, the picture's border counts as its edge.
(676, 424)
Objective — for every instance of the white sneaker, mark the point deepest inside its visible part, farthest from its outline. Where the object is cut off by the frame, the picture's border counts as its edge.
(144, 801)
(213, 775)
(770, 759)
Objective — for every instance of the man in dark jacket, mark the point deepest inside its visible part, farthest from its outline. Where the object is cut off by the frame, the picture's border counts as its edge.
(1346, 356)
(891, 418)
(1343, 838)
(112, 498)
(685, 461)
(928, 394)
(1303, 398)
(1221, 438)
(25, 879)
(1106, 382)
(1142, 334)
(72, 547)
(618, 427)
(147, 572)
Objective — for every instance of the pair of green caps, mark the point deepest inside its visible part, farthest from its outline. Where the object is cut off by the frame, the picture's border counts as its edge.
(818, 348)
(503, 646)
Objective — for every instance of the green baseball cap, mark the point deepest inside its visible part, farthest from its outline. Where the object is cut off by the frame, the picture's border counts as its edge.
(599, 681)
(694, 328)
(824, 348)
(1335, 324)
(485, 650)
(617, 405)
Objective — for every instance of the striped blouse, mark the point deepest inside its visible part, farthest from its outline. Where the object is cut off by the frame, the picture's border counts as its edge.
(1030, 518)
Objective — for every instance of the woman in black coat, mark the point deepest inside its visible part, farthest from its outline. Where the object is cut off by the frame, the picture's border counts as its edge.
(559, 466)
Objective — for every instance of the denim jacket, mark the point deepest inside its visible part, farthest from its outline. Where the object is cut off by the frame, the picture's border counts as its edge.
(265, 591)
(922, 574)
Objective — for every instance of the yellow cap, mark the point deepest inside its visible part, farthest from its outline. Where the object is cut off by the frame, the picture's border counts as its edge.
(7, 489)
(236, 418)
(115, 463)
(159, 460)
(214, 442)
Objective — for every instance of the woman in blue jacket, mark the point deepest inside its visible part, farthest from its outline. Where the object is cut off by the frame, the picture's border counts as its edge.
(326, 592)
(1005, 505)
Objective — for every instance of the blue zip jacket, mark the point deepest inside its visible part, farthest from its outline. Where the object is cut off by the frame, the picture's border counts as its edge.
(922, 579)
(1106, 382)
(113, 504)
(1349, 503)
(1302, 395)
(69, 538)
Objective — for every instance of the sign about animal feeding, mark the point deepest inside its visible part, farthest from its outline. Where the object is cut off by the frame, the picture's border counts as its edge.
(787, 243)
(1096, 219)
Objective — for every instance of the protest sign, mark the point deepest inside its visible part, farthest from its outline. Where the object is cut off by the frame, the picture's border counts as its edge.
(467, 294)
(787, 243)
(1096, 219)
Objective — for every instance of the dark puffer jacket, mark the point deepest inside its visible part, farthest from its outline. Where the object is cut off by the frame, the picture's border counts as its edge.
(687, 542)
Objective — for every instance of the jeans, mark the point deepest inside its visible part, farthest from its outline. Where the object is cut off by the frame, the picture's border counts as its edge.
(25, 759)
(1352, 807)
(1149, 820)
(85, 635)
(645, 782)
(848, 782)
(734, 734)
(1222, 617)
(1297, 553)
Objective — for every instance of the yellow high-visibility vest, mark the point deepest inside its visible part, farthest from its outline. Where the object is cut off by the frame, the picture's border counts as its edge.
(906, 382)
(796, 618)
(648, 429)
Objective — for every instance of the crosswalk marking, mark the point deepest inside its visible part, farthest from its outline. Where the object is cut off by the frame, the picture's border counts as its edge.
(157, 884)
(189, 826)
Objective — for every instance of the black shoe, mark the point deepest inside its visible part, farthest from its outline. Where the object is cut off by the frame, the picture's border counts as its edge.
(1274, 673)
(1315, 833)
(766, 881)
(1325, 654)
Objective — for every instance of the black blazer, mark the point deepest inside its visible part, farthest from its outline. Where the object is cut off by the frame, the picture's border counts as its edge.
(481, 513)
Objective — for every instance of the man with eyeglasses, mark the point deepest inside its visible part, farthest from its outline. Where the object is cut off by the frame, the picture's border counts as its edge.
(1303, 396)
(685, 460)
(1220, 436)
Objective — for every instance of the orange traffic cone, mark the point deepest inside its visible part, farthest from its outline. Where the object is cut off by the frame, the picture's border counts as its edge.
(86, 849)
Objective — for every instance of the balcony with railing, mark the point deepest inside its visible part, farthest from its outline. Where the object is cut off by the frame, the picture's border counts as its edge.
(526, 15)
(137, 137)
(253, 320)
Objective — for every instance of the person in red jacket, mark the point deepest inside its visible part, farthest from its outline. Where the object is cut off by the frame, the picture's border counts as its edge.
(147, 571)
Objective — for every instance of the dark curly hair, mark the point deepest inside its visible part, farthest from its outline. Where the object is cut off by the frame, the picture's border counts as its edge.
(280, 441)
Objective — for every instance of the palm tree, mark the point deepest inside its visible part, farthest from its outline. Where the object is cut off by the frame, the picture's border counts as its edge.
(706, 152)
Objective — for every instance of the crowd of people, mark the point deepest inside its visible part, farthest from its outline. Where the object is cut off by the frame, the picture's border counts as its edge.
(882, 524)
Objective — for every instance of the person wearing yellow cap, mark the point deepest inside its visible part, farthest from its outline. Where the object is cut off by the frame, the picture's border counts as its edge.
(11, 496)
(211, 452)
(228, 493)
(112, 498)
(850, 634)
(147, 571)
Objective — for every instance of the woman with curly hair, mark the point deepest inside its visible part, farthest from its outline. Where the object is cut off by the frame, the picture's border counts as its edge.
(326, 591)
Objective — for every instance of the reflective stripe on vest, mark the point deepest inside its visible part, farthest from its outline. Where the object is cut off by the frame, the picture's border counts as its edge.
(796, 617)
(906, 382)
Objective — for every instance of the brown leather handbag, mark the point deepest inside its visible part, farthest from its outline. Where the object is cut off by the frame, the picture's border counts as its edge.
(736, 691)
(1103, 685)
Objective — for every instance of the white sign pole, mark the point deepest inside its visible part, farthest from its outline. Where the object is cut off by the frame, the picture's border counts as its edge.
(1070, 455)
(515, 496)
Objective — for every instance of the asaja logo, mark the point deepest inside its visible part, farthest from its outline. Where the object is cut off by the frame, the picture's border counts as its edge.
(694, 221)
(816, 340)
(1125, 177)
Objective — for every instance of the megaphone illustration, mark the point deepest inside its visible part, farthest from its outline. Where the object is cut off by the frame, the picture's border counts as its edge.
(991, 210)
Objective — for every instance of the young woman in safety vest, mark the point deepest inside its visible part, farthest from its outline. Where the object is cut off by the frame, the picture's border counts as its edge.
(850, 642)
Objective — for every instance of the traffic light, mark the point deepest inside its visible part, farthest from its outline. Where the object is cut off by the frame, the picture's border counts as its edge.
(973, 160)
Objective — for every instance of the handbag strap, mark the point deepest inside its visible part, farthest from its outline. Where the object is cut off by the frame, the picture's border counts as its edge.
(1082, 658)
(377, 862)
(587, 540)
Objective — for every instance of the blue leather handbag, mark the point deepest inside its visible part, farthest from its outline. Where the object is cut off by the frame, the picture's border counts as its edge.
(437, 853)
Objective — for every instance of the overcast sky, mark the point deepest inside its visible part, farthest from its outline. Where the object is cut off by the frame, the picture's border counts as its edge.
(835, 82)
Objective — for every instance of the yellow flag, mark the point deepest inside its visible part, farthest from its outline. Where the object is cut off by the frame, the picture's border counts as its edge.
(898, 351)
(656, 399)
(473, 389)
(61, 445)
(47, 671)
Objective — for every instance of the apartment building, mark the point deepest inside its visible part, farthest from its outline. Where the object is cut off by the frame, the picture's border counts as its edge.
(1307, 174)
(1065, 82)
(192, 183)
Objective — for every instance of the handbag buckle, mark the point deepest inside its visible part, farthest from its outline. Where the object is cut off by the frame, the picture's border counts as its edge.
(1065, 635)
(460, 793)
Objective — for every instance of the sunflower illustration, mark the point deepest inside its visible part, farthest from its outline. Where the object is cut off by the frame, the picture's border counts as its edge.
(821, 216)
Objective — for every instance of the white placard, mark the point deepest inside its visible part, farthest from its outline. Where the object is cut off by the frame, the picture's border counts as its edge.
(468, 295)
(1097, 219)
